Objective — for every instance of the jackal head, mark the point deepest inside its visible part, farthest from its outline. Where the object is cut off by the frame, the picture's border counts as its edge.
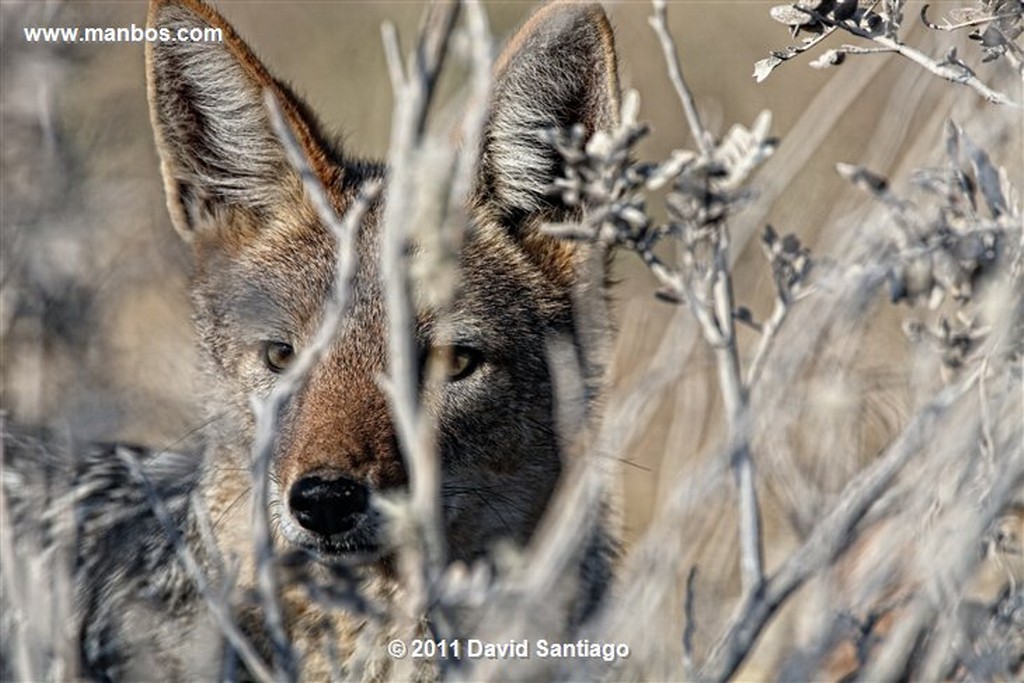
(264, 268)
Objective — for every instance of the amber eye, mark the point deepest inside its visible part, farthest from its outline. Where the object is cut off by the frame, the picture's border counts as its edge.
(464, 362)
(277, 355)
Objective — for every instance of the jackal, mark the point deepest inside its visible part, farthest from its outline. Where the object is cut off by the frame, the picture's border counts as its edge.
(264, 265)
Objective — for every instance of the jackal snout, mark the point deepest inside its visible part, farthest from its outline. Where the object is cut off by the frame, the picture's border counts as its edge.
(338, 451)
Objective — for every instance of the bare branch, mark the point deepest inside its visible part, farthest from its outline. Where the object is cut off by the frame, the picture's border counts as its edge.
(429, 190)
(691, 625)
(268, 411)
(952, 72)
(769, 330)
(947, 26)
(412, 100)
(764, 67)
(668, 46)
(716, 315)
(828, 538)
(736, 399)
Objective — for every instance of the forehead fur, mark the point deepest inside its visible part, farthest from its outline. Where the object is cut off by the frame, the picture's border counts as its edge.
(281, 269)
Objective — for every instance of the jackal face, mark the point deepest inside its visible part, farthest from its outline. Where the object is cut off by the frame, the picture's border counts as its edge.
(265, 265)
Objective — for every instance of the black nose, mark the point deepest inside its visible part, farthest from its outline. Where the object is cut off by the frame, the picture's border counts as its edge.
(327, 506)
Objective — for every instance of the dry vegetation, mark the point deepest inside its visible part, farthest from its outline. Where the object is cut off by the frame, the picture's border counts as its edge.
(818, 427)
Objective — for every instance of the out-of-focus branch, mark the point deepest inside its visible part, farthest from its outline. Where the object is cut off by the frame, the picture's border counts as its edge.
(716, 319)
(17, 588)
(828, 539)
(413, 93)
(668, 46)
(736, 399)
(769, 330)
(268, 412)
(429, 188)
(691, 625)
(790, 263)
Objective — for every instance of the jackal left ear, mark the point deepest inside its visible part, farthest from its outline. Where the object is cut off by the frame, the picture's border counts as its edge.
(557, 71)
(218, 149)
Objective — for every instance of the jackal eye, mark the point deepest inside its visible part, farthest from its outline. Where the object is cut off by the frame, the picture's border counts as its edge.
(463, 362)
(277, 356)
(456, 361)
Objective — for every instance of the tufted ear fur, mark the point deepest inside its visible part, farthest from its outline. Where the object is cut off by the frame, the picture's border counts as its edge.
(213, 133)
(557, 71)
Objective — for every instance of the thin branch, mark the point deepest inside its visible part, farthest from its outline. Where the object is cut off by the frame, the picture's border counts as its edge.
(950, 73)
(764, 67)
(769, 331)
(691, 626)
(956, 534)
(414, 428)
(660, 24)
(475, 118)
(438, 201)
(680, 287)
(858, 50)
(958, 74)
(15, 589)
(572, 512)
(790, 264)
(393, 55)
(268, 412)
(736, 398)
(964, 24)
(827, 540)
(716, 320)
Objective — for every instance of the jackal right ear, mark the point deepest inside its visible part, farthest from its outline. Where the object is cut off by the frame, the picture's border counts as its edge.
(217, 146)
(558, 70)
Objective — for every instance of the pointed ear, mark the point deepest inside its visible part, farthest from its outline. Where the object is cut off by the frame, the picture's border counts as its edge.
(557, 71)
(217, 146)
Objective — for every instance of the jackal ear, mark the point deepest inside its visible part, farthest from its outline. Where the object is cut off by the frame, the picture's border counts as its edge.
(217, 146)
(557, 71)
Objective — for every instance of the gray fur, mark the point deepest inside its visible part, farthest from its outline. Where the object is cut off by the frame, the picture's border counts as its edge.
(88, 506)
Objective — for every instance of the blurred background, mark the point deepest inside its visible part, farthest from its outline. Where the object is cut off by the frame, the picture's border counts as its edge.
(94, 316)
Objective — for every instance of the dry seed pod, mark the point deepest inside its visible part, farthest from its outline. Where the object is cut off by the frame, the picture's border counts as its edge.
(829, 58)
(824, 7)
(870, 22)
(791, 16)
